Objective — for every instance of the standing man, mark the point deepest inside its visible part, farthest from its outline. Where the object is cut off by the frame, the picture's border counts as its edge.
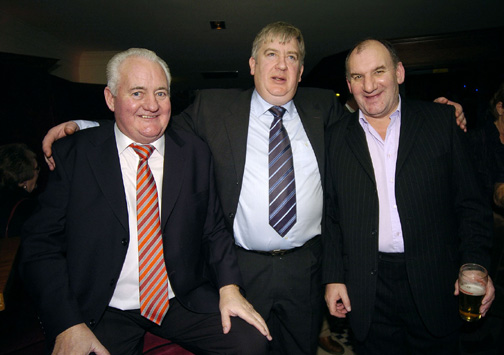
(280, 265)
(404, 212)
(130, 237)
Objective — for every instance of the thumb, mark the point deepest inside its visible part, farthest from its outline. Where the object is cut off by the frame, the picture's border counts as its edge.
(71, 128)
(346, 301)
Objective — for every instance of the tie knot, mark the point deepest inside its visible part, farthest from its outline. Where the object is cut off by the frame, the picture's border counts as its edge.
(277, 111)
(143, 151)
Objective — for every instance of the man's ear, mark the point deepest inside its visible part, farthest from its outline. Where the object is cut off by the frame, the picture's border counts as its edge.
(109, 99)
(252, 64)
(349, 86)
(300, 73)
(400, 73)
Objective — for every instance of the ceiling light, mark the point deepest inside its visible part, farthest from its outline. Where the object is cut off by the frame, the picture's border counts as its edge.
(218, 25)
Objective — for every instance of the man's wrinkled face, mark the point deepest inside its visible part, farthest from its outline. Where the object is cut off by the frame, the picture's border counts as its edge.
(374, 81)
(142, 105)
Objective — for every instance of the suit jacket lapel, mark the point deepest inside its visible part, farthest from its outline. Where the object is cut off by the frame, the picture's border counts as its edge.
(312, 120)
(356, 140)
(236, 120)
(173, 172)
(104, 163)
(410, 125)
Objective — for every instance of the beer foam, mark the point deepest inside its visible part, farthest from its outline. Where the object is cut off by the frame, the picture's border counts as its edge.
(473, 289)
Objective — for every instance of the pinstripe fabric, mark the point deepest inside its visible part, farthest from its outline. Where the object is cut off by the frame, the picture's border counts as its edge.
(153, 277)
(444, 218)
(282, 187)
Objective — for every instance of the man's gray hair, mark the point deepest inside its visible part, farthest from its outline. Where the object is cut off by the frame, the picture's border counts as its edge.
(114, 64)
(283, 32)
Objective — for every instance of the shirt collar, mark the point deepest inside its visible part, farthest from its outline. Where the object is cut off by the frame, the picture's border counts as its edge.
(124, 141)
(259, 107)
(393, 117)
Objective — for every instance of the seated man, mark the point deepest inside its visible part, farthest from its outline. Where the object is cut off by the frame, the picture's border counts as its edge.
(130, 237)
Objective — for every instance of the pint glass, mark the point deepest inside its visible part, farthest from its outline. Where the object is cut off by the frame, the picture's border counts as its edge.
(473, 279)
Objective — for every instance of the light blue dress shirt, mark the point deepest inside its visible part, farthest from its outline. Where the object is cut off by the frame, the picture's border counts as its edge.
(251, 225)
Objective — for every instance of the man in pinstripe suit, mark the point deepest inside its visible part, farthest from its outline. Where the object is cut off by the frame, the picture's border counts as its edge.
(403, 213)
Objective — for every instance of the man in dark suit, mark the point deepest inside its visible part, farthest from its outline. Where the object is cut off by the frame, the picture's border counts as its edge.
(404, 212)
(83, 250)
(281, 272)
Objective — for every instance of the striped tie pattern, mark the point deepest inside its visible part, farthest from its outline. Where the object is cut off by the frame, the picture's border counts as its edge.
(282, 187)
(153, 277)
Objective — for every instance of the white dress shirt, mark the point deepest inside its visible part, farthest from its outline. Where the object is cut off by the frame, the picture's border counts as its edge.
(126, 294)
(251, 225)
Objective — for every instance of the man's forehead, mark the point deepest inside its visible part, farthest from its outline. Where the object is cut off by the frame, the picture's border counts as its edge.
(278, 40)
(136, 69)
(375, 54)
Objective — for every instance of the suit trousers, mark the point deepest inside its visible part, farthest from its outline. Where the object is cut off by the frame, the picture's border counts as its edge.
(122, 332)
(396, 326)
(287, 291)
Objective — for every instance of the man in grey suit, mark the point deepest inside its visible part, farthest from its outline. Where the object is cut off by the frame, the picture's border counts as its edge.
(404, 211)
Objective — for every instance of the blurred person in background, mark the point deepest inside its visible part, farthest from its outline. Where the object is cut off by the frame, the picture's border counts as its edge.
(19, 171)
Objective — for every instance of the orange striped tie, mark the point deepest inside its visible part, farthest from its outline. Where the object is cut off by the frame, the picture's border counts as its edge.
(153, 277)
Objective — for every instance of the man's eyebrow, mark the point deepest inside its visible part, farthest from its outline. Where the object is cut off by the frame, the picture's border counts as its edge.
(144, 88)
(269, 49)
(375, 69)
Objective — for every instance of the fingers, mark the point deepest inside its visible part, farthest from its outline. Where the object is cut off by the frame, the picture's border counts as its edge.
(459, 112)
(55, 133)
(233, 304)
(461, 121)
(253, 318)
(226, 322)
(456, 292)
(100, 350)
(337, 300)
(489, 297)
(441, 100)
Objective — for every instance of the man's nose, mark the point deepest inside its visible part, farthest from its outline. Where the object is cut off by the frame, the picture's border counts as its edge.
(369, 84)
(282, 62)
(150, 103)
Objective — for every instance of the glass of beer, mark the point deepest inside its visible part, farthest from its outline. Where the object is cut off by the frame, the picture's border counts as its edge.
(473, 279)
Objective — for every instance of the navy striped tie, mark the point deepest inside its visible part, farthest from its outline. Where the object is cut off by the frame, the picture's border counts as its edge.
(282, 187)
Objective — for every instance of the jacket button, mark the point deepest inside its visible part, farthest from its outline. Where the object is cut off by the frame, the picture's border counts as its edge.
(374, 233)
(92, 323)
(124, 242)
(373, 272)
(231, 215)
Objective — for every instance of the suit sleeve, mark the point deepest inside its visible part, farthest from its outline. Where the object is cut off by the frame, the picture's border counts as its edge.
(332, 260)
(220, 243)
(43, 265)
(472, 208)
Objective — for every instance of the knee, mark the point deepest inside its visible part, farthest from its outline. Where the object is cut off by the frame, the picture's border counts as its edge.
(247, 339)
